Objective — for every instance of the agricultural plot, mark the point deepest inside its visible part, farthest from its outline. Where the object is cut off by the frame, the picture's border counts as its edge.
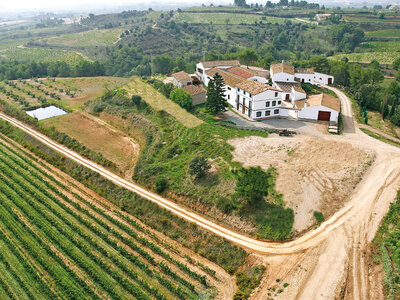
(42, 55)
(387, 33)
(97, 37)
(98, 136)
(59, 241)
(367, 57)
(224, 18)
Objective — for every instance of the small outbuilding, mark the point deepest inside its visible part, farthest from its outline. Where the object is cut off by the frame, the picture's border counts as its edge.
(321, 107)
(181, 79)
(197, 92)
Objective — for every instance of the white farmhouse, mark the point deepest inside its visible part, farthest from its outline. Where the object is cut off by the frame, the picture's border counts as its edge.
(230, 80)
(282, 72)
(306, 75)
(204, 66)
(291, 91)
(323, 78)
(321, 107)
(181, 79)
(258, 100)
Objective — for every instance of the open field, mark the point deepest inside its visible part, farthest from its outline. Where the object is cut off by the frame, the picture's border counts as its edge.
(41, 55)
(307, 176)
(62, 240)
(100, 137)
(159, 102)
(367, 57)
(224, 18)
(96, 37)
(372, 19)
(387, 33)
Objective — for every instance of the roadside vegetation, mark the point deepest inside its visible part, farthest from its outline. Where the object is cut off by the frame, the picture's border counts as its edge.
(386, 247)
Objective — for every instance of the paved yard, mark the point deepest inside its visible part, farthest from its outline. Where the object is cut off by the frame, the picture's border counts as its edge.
(294, 125)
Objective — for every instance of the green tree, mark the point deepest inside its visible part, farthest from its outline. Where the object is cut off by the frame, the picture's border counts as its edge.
(216, 102)
(240, 3)
(182, 98)
(248, 56)
(163, 64)
(253, 183)
(396, 64)
(199, 167)
(160, 185)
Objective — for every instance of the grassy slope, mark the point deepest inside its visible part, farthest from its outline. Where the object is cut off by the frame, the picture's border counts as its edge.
(159, 102)
(387, 249)
(222, 18)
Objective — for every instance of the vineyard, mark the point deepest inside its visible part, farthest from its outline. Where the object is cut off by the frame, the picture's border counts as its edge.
(59, 241)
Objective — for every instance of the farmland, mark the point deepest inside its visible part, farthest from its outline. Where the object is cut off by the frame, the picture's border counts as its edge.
(367, 57)
(59, 240)
(224, 18)
(96, 37)
(42, 54)
(387, 33)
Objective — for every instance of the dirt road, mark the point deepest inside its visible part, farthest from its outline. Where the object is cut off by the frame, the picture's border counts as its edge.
(346, 233)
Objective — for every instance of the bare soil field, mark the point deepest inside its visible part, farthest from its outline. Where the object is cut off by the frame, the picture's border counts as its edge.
(314, 174)
(100, 137)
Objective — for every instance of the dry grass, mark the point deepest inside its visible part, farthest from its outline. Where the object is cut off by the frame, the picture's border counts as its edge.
(98, 137)
(87, 88)
(159, 102)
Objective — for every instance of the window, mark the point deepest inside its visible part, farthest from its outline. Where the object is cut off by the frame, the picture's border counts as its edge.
(267, 104)
(279, 102)
(276, 111)
(273, 103)
(229, 88)
(258, 114)
(244, 92)
(238, 98)
(267, 112)
(276, 94)
(229, 97)
(287, 79)
(238, 89)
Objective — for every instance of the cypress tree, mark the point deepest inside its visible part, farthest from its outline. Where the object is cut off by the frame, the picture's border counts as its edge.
(216, 102)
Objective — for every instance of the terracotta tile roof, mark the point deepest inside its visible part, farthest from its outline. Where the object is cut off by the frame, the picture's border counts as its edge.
(182, 76)
(305, 71)
(230, 79)
(194, 89)
(220, 63)
(324, 100)
(282, 67)
(299, 89)
(242, 72)
(255, 87)
(300, 103)
(287, 86)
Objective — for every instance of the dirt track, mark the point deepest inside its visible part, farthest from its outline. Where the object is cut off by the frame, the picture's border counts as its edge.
(341, 239)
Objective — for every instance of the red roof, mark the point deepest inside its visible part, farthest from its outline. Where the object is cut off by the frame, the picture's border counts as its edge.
(241, 72)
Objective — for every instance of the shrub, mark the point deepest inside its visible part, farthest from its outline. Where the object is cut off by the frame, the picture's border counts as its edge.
(198, 167)
(253, 183)
(160, 185)
(319, 216)
(182, 98)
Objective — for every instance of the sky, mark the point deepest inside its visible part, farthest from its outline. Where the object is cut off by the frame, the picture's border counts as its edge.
(25, 5)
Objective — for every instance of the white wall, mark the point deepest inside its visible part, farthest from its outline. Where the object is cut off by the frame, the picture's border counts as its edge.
(259, 79)
(297, 95)
(322, 78)
(230, 95)
(283, 77)
(311, 113)
(308, 78)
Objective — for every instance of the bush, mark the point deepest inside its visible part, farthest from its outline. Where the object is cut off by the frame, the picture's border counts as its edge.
(253, 183)
(160, 185)
(198, 167)
(245, 284)
(182, 98)
(319, 217)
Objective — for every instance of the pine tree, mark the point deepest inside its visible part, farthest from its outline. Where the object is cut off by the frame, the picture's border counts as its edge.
(216, 102)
